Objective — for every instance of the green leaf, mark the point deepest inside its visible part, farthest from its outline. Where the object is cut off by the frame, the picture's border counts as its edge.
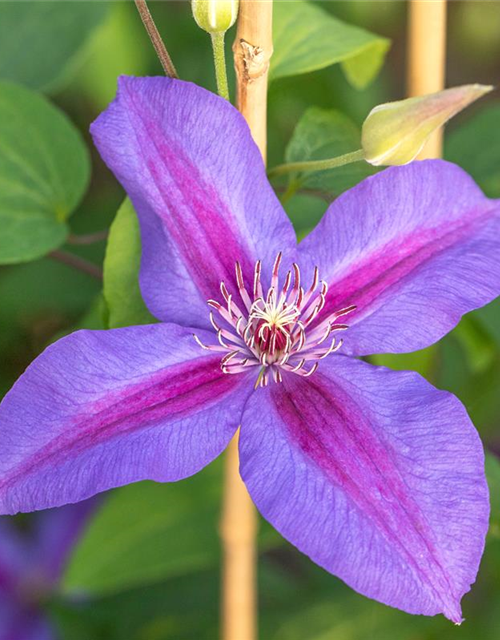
(475, 146)
(492, 466)
(40, 41)
(148, 532)
(423, 361)
(121, 271)
(93, 319)
(183, 608)
(320, 134)
(489, 316)
(478, 345)
(119, 47)
(307, 38)
(362, 68)
(305, 211)
(44, 172)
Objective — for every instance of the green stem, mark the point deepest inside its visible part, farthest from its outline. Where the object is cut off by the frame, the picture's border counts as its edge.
(317, 165)
(293, 186)
(220, 64)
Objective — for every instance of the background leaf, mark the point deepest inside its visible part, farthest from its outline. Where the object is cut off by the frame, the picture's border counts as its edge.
(326, 133)
(125, 305)
(149, 532)
(305, 211)
(307, 38)
(493, 476)
(44, 171)
(119, 46)
(475, 146)
(26, 28)
(297, 600)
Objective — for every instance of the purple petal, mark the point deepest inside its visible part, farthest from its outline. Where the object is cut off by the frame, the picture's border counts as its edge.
(100, 409)
(374, 474)
(58, 530)
(414, 248)
(23, 623)
(187, 160)
(14, 556)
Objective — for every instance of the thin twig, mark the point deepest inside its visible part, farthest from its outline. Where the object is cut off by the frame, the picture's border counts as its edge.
(76, 262)
(154, 36)
(87, 238)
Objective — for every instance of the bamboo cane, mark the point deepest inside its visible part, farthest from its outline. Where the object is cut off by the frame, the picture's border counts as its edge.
(253, 48)
(427, 58)
(252, 52)
(238, 532)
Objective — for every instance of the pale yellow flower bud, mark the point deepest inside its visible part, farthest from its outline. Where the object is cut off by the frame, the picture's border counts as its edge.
(215, 16)
(394, 133)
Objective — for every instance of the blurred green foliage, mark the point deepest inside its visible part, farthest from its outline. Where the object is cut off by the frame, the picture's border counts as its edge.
(306, 38)
(147, 569)
(41, 43)
(475, 146)
(320, 134)
(44, 171)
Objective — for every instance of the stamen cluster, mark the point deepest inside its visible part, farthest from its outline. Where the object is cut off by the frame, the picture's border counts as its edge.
(273, 330)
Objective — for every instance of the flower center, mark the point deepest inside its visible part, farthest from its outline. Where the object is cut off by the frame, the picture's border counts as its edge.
(273, 330)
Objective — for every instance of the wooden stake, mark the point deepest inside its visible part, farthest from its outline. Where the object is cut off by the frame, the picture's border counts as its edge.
(252, 52)
(253, 48)
(238, 532)
(427, 58)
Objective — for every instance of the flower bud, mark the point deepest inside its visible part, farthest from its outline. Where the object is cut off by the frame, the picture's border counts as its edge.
(394, 133)
(215, 16)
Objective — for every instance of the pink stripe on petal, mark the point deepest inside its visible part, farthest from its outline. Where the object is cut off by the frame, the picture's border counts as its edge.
(171, 394)
(414, 248)
(368, 281)
(101, 409)
(357, 466)
(198, 184)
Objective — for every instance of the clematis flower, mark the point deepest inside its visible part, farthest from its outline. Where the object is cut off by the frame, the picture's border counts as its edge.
(31, 566)
(374, 474)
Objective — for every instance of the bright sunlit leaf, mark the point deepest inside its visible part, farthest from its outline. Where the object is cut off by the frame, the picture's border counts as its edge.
(121, 271)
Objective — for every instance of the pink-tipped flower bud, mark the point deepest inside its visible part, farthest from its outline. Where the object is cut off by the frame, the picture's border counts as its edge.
(394, 133)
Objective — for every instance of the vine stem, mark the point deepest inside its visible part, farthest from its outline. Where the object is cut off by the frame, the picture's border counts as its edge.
(74, 261)
(427, 58)
(87, 238)
(252, 51)
(317, 165)
(220, 64)
(154, 36)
